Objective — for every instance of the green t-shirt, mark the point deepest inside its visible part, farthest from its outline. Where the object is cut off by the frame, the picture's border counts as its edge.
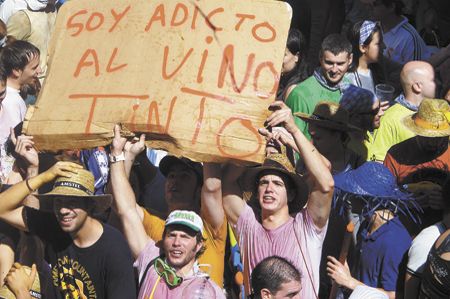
(304, 98)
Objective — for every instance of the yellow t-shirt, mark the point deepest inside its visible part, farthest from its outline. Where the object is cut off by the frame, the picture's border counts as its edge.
(215, 245)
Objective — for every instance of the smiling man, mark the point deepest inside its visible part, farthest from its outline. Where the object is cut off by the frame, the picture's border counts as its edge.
(88, 259)
(326, 82)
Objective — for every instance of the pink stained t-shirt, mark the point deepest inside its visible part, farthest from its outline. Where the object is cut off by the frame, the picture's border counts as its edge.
(257, 243)
(151, 281)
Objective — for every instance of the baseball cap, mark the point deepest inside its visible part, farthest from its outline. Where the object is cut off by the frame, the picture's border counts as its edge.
(186, 218)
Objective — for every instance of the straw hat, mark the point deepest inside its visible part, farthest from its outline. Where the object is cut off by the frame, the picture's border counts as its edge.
(377, 186)
(35, 291)
(328, 115)
(431, 120)
(79, 185)
(280, 163)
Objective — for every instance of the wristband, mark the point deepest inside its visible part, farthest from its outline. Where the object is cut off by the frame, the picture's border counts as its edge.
(114, 159)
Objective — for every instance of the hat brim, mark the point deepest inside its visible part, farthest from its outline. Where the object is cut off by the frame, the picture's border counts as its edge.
(100, 202)
(335, 126)
(168, 161)
(249, 177)
(408, 121)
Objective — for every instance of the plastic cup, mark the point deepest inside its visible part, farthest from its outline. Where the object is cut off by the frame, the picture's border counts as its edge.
(385, 93)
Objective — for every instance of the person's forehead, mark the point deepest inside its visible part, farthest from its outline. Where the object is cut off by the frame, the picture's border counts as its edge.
(290, 287)
(180, 229)
(271, 175)
(340, 57)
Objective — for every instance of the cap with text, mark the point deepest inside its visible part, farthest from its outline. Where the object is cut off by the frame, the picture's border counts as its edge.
(186, 218)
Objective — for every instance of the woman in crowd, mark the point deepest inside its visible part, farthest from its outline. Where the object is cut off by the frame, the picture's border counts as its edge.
(295, 68)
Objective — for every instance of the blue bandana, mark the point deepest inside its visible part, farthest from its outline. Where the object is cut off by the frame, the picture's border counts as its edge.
(321, 79)
(402, 101)
(366, 30)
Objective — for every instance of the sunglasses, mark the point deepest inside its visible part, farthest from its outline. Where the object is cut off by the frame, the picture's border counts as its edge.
(167, 273)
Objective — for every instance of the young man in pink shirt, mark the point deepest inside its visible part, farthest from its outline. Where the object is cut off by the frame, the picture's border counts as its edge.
(276, 226)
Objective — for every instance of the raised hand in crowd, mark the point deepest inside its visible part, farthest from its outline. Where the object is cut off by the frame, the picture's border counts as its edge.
(19, 281)
(28, 155)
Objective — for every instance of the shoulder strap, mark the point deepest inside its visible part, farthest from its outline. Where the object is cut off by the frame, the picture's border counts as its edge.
(304, 260)
(145, 272)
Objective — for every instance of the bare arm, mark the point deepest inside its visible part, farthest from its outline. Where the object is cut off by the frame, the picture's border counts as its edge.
(233, 203)
(319, 202)
(341, 275)
(211, 197)
(11, 199)
(124, 199)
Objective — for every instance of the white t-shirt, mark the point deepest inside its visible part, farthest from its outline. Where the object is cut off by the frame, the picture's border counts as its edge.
(421, 246)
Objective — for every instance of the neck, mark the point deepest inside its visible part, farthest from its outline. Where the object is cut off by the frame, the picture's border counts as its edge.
(88, 234)
(413, 99)
(379, 218)
(274, 220)
(186, 270)
(390, 21)
(14, 83)
(363, 65)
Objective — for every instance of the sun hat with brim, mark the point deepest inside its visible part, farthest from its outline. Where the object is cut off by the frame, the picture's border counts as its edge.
(35, 291)
(279, 163)
(168, 162)
(377, 187)
(80, 185)
(186, 218)
(328, 115)
(431, 120)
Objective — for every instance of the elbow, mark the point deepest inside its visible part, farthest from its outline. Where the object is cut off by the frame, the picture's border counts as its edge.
(327, 186)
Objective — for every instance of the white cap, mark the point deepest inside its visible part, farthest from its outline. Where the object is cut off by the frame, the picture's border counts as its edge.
(186, 218)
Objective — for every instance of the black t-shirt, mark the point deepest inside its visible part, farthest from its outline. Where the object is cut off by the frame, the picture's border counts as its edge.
(103, 270)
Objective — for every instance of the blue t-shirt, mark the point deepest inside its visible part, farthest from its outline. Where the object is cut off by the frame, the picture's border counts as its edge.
(383, 256)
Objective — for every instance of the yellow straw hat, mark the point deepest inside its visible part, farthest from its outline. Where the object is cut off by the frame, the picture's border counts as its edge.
(35, 292)
(431, 120)
(79, 185)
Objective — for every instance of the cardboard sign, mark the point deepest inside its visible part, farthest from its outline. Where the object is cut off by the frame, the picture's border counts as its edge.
(195, 76)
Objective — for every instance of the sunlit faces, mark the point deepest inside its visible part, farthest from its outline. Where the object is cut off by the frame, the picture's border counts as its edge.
(71, 213)
(334, 67)
(180, 246)
(371, 52)
(272, 193)
(181, 188)
(289, 61)
(31, 71)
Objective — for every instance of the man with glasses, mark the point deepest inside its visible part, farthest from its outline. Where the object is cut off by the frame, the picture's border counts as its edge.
(172, 271)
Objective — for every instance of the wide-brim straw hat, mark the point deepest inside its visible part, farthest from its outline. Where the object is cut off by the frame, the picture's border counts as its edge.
(377, 186)
(80, 185)
(279, 163)
(431, 120)
(330, 116)
(35, 292)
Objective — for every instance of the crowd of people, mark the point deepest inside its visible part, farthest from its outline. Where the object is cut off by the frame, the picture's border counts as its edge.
(352, 199)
